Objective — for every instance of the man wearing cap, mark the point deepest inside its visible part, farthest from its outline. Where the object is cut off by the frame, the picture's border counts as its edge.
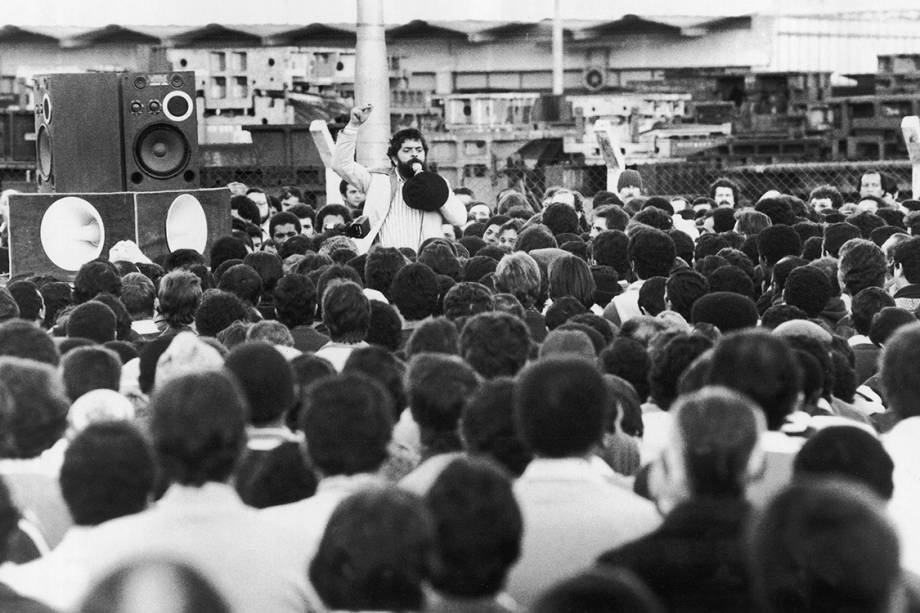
(401, 211)
(629, 185)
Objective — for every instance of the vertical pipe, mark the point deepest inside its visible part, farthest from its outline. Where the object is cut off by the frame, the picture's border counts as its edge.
(557, 49)
(372, 84)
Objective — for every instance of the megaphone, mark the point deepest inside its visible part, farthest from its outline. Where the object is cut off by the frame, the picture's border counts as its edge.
(186, 224)
(72, 233)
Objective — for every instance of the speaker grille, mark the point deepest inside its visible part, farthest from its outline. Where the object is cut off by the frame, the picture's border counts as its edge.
(45, 152)
(177, 106)
(162, 151)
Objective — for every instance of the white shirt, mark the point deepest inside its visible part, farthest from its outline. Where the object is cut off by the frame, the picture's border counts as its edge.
(901, 444)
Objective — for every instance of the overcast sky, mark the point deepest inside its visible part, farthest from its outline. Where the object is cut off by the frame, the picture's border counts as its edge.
(198, 12)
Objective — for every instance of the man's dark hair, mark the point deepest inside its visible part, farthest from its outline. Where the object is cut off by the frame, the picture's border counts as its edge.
(347, 420)
(27, 296)
(108, 472)
(866, 221)
(84, 369)
(182, 258)
(684, 287)
(778, 241)
(760, 366)
(266, 379)
(560, 218)
(33, 407)
(346, 312)
(846, 452)
(827, 191)
(613, 214)
(537, 236)
(807, 288)
(780, 313)
(435, 335)
(629, 360)
(561, 310)
(836, 234)
(495, 344)
(655, 218)
(907, 255)
(331, 209)
(726, 182)
(218, 309)
(866, 304)
(268, 266)
(599, 590)
(779, 210)
(283, 218)
(94, 277)
(824, 546)
(730, 278)
(57, 296)
(683, 245)
(897, 369)
(611, 248)
(92, 320)
(487, 425)
(887, 321)
(414, 291)
(243, 281)
(559, 406)
(467, 299)
(862, 264)
(198, 427)
(670, 363)
(651, 253)
(380, 268)
(438, 386)
(384, 367)
(478, 528)
(24, 339)
(295, 300)
(385, 328)
(400, 137)
(138, 294)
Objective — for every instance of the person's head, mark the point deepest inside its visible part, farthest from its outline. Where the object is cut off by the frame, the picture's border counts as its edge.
(495, 344)
(825, 198)
(670, 362)
(478, 528)
(33, 407)
(570, 276)
(887, 321)
(198, 427)
(760, 366)
(862, 264)
(92, 320)
(778, 209)
(776, 242)
(865, 305)
(138, 294)
(347, 421)
(824, 546)
(94, 277)
(295, 300)
(331, 216)
(627, 358)
(28, 299)
(683, 288)
(846, 452)
(438, 386)
(467, 299)
(907, 262)
(380, 268)
(725, 192)
(807, 288)
(559, 407)
(629, 185)
(836, 234)
(487, 426)
(434, 335)
(406, 149)
(611, 248)
(84, 369)
(217, 311)
(266, 379)
(870, 184)
(750, 222)
(283, 226)
(375, 553)
(173, 587)
(108, 472)
(414, 291)
(346, 312)
(651, 253)
(727, 311)
(896, 370)
(560, 218)
(260, 198)
(713, 451)
(351, 195)
(536, 236)
(179, 297)
(601, 589)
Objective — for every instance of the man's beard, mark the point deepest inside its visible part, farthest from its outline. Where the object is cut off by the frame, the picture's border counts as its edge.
(406, 170)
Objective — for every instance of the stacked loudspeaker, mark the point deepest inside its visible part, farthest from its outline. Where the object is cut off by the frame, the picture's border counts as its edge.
(117, 159)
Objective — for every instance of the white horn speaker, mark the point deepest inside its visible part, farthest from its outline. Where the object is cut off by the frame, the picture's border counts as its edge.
(186, 224)
(72, 232)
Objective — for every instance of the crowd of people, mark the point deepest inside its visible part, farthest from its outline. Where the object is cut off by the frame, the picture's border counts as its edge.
(625, 402)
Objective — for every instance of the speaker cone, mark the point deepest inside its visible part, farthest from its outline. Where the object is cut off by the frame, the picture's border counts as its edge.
(72, 232)
(178, 106)
(46, 108)
(45, 152)
(161, 151)
(186, 224)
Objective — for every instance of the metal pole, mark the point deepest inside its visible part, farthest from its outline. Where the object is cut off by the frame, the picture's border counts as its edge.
(558, 85)
(372, 84)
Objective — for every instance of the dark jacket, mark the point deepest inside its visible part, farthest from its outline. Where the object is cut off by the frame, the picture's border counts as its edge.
(695, 561)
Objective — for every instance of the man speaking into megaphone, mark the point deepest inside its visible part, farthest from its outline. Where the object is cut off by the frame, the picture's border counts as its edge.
(405, 203)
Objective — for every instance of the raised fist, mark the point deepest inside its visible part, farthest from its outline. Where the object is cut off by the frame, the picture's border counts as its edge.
(359, 114)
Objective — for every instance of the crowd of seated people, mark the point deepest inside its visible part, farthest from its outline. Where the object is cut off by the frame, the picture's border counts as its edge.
(626, 402)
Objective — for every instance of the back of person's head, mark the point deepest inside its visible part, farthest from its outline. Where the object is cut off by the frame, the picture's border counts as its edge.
(180, 295)
(907, 256)
(570, 276)
(57, 296)
(27, 298)
(861, 264)
(92, 320)
(778, 209)
(669, 364)
(295, 300)
(750, 222)
(846, 452)
(684, 288)
(611, 248)
(226, 248)
(383, 366)
(898, 373)
(560, 218)
(727, 311)
(824, 546)
(33, 407)
(381, 267)
(651, 253)
(268, 266)
(887, 321)
(270, 331)
(467, 299)
(559, 407)
(487, 426)
(730, 278)
(435, 335)
(138, 294)
(182, 258)
(537, 236)
(198, 427)
(495, 344)
(760, 366)
(84, 369)
(478, 528)
(776, 242)
(94, 277)
(414, 291)
(108, 472)
(866, 304)
(807, 288)
(346, 312)
(265, 378)
(347, 421)
(836, 234)
(598, 590)
(627, 358)
(438, 386)
(375, 553)
(716, 433)
(217, 311)
(23, 339)
(242, 280)
(519, 274)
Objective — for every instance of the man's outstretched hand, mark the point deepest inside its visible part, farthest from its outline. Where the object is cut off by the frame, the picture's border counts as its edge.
(359, 114)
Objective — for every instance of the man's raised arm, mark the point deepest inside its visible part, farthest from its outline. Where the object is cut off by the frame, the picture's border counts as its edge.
(343, 154)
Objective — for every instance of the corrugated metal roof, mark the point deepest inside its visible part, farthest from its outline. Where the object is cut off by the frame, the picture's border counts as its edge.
(110, 34)
(419, 28)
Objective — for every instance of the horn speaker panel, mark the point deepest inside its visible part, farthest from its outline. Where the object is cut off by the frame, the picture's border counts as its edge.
(171, 220)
